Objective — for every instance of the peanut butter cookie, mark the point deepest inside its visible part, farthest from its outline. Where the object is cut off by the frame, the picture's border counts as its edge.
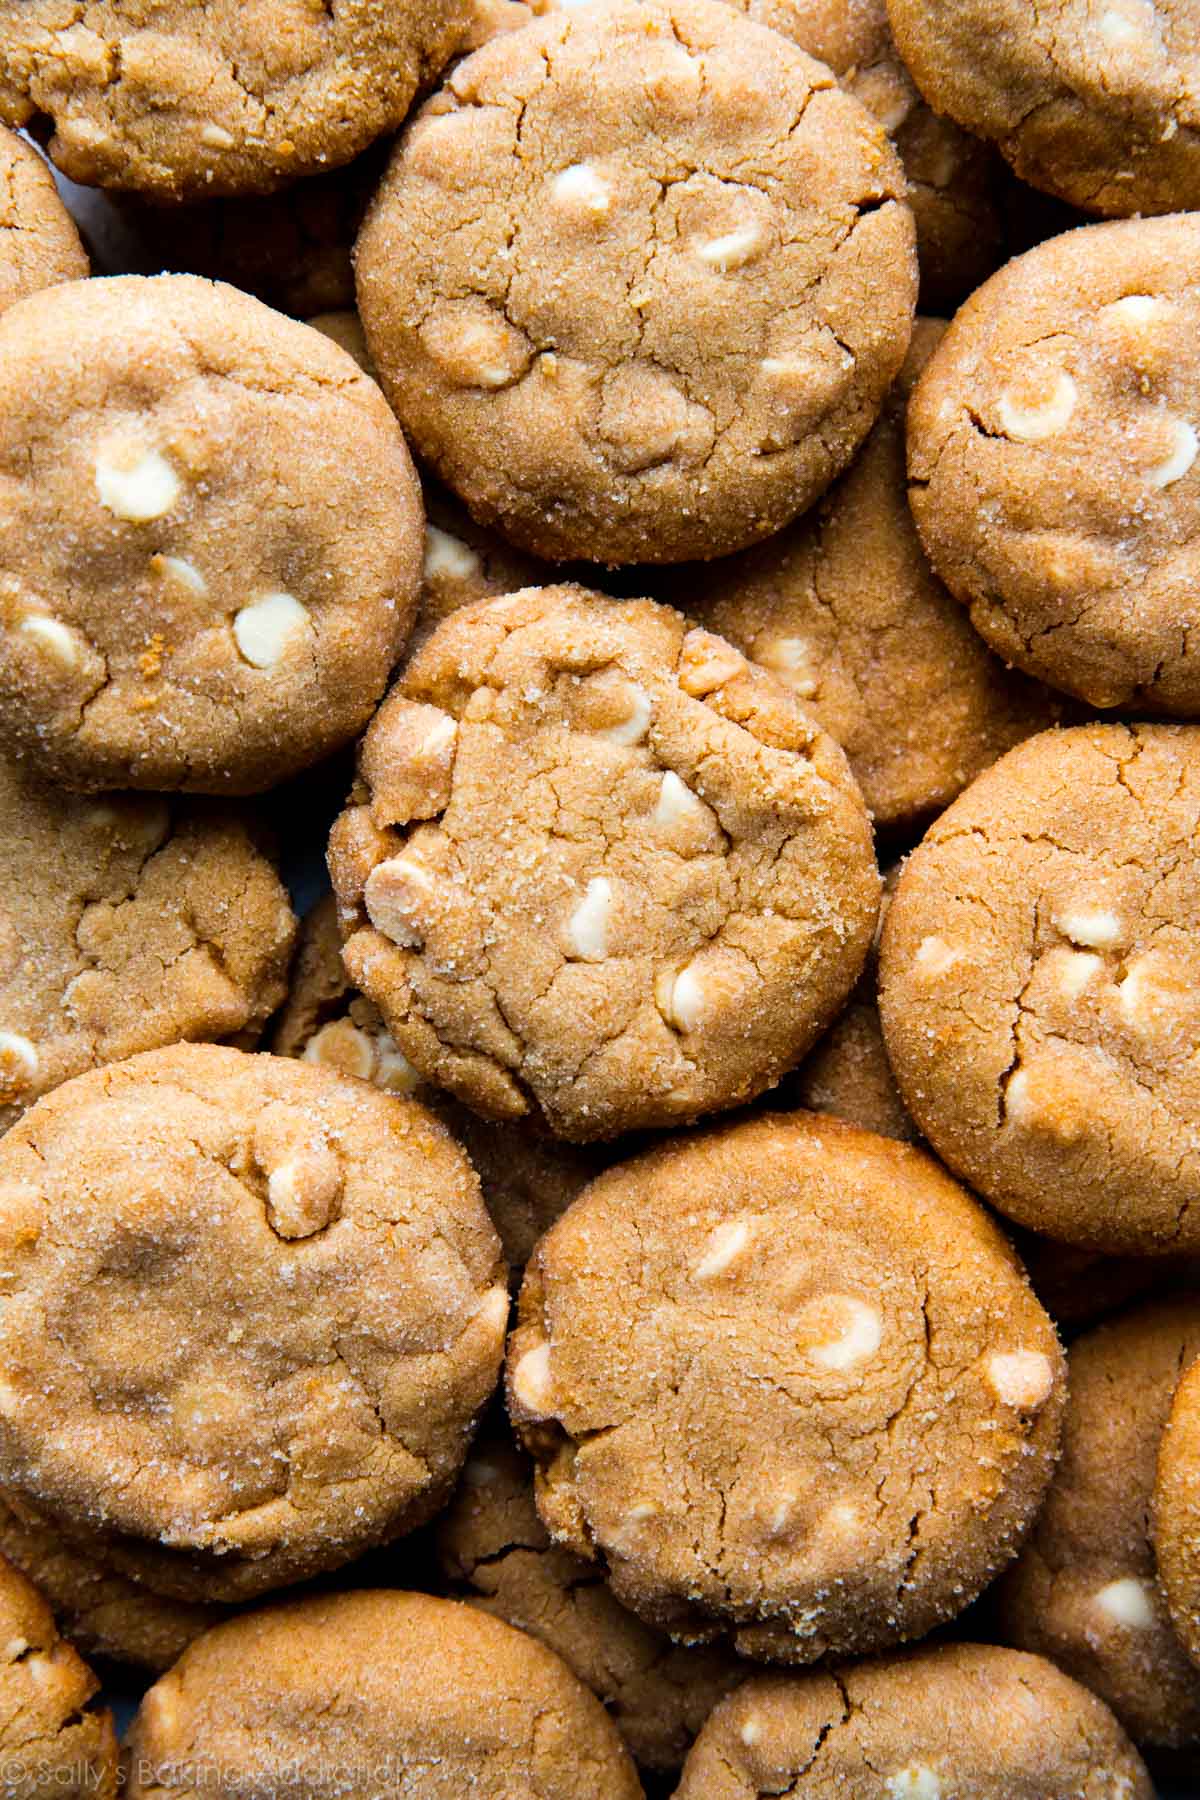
(351, 1696)
(241, 565)
(53, 1737)
(787, 1382)
(637, 280)
(232, 97)
(599, 869)
(1052, 459)
(1038, 987)
(39, 245)
(1176, 1521)
(252, 1312)
(127, 923)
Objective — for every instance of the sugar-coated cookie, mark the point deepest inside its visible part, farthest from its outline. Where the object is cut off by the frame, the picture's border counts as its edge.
(39, 244)
(54, 1739)
(597, 868)
(637, 280)
(787, 1382)
(1176, 1518)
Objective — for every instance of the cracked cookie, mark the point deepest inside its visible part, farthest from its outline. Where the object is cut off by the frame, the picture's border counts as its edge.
(357, 1695)
(528, 1179)
(1083, 1590)
(1038, 987)
(127, 923)
(959, 1722)
(1095, 103)
(493, 1547)
(787, 1382)
(1176, 1512)
(1052, 461)
(53, 1738)
(597, 868)
(845, 609)
(243, 557)
(39, 245)
(232, 97)
(252, 1310)
(637, 280)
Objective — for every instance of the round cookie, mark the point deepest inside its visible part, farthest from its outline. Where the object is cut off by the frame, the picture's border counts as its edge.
(356, 1695)
(1083, 1590)
(102, 1613)
(127, 923)
(963, 1721)
(1176, 1512)
(686, 892)
(252, 1313)
(1038, 988)
(233, 97)
(637, 280)
(53, 1738)
(39, 244)
(527, 1178)
(241, 565)
(1095, 104)
(845, 609)
(1052, 461)
(787, 1382)
(493, 1549)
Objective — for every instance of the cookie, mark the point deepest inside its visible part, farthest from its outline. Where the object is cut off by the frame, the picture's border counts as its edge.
(356, 1695)
(1083, 1590)
(39, 245)
(493, 1549)
(253, 1310)
(53, 1737)
(245, 536)
(1078, 1287)
(637, 280)
(527, 1178)
(1037, 986)
(127, 923)
(963, 1721)
(598, 870)
(786, 1382)
(1176, 1510)
(845, 609)
(102, 1613)
(848, 1074)
(1051, 448)
(464, 562)
(1095, 104)
(343, 325)
(236, 97)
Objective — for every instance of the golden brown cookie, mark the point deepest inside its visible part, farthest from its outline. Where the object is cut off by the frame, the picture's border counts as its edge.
(637, 280)
(786, 1381)
(528, 1179)
(127, 922)
(39, 244)
(1083, 1590)
(1038, 990)
(959, 1722)
(232, 97)
(1176, 1512)
(345, 328)
(53, 1737)
(1096, 103)
(252, 1313)
(844, 607)
(493, 1548)
(599, 869)
(351, 1696)
(210, 543)
(1052, 461)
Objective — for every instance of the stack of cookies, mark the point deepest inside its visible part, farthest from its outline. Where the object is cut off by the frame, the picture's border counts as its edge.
(580, 1313)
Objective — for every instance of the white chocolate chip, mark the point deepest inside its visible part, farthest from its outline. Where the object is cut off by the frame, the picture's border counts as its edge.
(733, 250)
(1021, 1378)
(262, 630)
(707, 662)
(56, 639)
(680, 998)
(1184, 444)
(495, 1307)
(10, 1400)
(859, 1335)
(781, 1513)
(676, 803)
(1093, 927)
(751, 1731)
(182, 571)
(15, 1648)
(42, 1669)
(791, 659)
(724, 1247)
(1127, 1602)
(1031, 424)
(624, 1538)
(580, 186)
(18, 1059)
(341, 1045)
(1134, 309)
(397, 894)
(531, 1382)
(216, 137)
(1017, 1103)
(934, 956)
(587, 929)
(632, 728)
(1116, 29)
(1075, 969)
(916, 1782)
(137, 486)
(393, 1072)
(448, 558)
